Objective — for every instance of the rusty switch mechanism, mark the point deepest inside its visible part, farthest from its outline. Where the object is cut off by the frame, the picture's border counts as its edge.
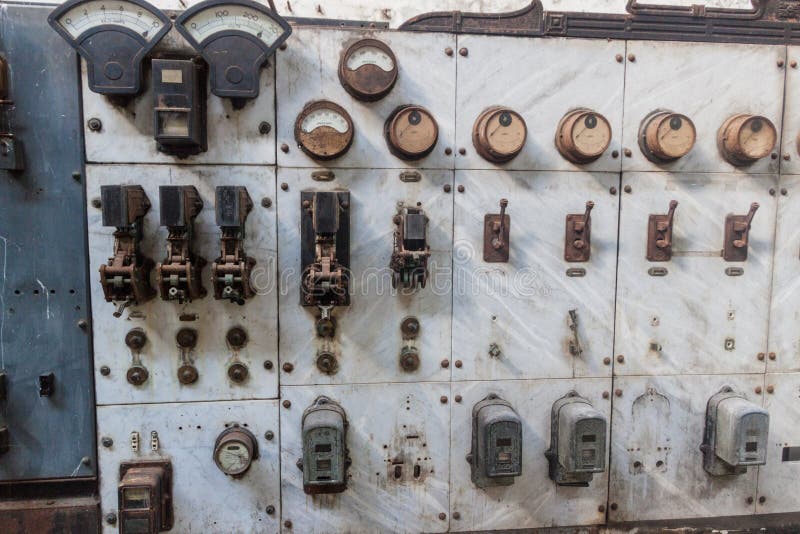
(186, 338)
(496, 231)
(578, 243)
(409, 261)
(179, 274)
(230, 272)
(237, 340)
(126, 276)
(575, 347)
(137, 373)
(325, 254)
(737, 233)
(10, 146)
(659, 234)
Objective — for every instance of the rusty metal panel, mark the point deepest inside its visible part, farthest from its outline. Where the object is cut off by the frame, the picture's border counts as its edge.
(696, 313)
(656, 464)
(391, 426)
(512, 320)
(75, 514)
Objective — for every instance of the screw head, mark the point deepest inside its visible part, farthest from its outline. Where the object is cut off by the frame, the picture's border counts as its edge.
(448, 151)
(442, 516)
(613, 506)
(786, 156)
(607, 360)
(772, 191)
(770, 389)
(448, 51)
(107, 442)
(445, 363)
(456, 515)
(460, 188)
(269, 435)
(793, 64)
(268, 365)
(615, 153)
(458, 363)
(283, 46)
(784, 192)
(105, 370)
(83, 324)
(618, 392)
(760, 356)
(749, 500)
(94, 124)
(457, 398)
(619, 58)
(762, 500)
(772, 355)
(97, 203)
(285, 186)
(111, 518)
(620, 358)
(264, 128)
(284, 148)
(601, 508)
(447, 188)
(462, 151)
(287, 524)
(631, 57)
(266, 202)
(288, 367)
(613, 190)
(780, 63)
(628, 152)
(443, 399)
(606, 394)
(287, 403)
(628, 189)
(758, 390)
(270, 510)
(463, 52)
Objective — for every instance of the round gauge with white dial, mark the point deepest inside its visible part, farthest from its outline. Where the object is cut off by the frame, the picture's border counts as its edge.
(583, 135)
(666, 136)
(368, 69)
(235, 450)
(744, 139)
(499, 134)
(85, 16)
(411, 132)
(213, 19)
(323, 130)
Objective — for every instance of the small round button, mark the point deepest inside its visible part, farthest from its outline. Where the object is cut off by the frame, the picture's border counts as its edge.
(234, 74)
(583, 135)
(666, 136)
(744, 139)
(411, 132)
(499, 134)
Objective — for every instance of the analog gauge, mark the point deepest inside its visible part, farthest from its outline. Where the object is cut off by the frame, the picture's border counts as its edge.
(499, 134)
(214, 19)
(666, 136)
(113, 38)
(323, 130)
(583, 136)
(411, 132)
(235, 450)
(744, 139)
(368, 69)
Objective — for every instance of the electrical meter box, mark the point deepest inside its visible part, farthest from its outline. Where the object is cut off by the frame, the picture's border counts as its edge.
(735, 434)
(325, 458)
(578, 441)
(496, 456)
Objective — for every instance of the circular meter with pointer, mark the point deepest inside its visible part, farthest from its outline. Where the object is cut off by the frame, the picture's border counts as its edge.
(368, 69)
(323, 130)
(235, 37)
(113, 38)
(235, 450)
(411, 132)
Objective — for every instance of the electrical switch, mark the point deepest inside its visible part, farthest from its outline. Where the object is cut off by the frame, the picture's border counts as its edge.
(178, 275)
(126, 276)
(409, 261)
(234, 451)
(737, 233)
(735, 434)
(411, 132)
(235, 37)
(583, 135)
(578, 242)
(325, 455)
(137, 373)
(496, 234)
(666, 136)
(577, 441)
(496, 455)
(237, 369)
(744, 139)
(145, 497)
(186, 339)
(231, 270)
(179, 106)
(368, 70)
(659, 234)
(323, 130)
(499, 134)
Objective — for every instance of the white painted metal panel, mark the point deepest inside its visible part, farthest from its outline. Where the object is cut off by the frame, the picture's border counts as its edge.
(777, 480)
(791, 115)
(708, 82)
(542, 79)
(368, 340)
(522, 306)
(204, 499)
(696, 307)
(388, 422)
(161, 319)
(533, 500)
(233, 135)
(784, 336)
(307, 71)
(656, 464)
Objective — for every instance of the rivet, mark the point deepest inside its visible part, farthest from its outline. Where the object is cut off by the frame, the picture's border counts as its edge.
(774, 155)
(772, 355)
(266, 202)
(618, 392)
(105, 370)
(770, 389)
(447, 188)
(758, 390)
(462, 151)
(793, 64)
(287, 524)
(287, 403)
(94, 124)
(111, 518)
(601, 509)
(443, 399)
(442, 516)
(613, 506)
(269, 435)
(457, 398)
(607, 360)
(780, 63)
(628, 153)
(448, 51)
(107, 442)
(456, 515)
(83, 324)
(762, 500)
(445, 363)
(615, 153)
(459, 363)
(749, 500)
(786, 156)
(463, 52)
(619, 58)
(76, 176)
(631, 57)
(760, 356)
(264, 128)
(628, 189)
(448, 151)
(283, 46)
(285, 186)
(460, 188)
(284, 148)
(771, 191)
(612, 190)
(784, 192)
(97, 203)
(620, 358)
(267, 364)
(270, 510)
(288, 367)
(606, 394)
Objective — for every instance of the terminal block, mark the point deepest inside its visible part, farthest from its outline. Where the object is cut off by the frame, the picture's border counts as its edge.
(126, 276)
(231, 271)
(409, 261)
(179, 274)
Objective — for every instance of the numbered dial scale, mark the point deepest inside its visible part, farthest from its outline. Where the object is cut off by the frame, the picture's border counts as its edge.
(235, 450)
(411, 132)
(113, 38)
(583, 135)
(323, 130)
(368, 69)
(499, 134)
(666, 136)
(235, 38)
(744, 139)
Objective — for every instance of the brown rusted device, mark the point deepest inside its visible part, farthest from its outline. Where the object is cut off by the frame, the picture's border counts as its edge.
(179, 275)
(583, 135)
(323, 130)
(325, 248)
(496, 232)
(411, 132)
(126, 276)
(230, 272)
(368, 69)
(659, 234)
(578, 241)
(744, 139)
(666, 136)
(499, 134)
(409, 261)
(737, 233)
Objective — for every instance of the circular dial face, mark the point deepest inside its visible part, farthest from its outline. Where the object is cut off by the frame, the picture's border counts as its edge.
(233, 457)
(757, 137)
(669, 136)
(583, 136)
(499, 134)
(368, 69)
(87, 15)
(411, 132)
(226, 17)
(324, 130)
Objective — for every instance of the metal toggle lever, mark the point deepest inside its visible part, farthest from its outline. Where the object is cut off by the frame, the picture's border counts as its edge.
(496, 231)
(578, 242)
(659, 234)
(737, 230)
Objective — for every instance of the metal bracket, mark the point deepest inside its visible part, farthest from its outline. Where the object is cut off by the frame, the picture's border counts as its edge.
(659, 234)
(737, 231)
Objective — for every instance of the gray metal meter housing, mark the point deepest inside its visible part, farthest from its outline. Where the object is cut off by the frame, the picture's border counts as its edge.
(325, 459)
(735, 434)
(577, 441)
(496, 456)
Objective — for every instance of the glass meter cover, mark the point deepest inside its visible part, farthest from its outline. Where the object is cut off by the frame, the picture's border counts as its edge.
(499, 134)
(113, 38)
(235, 450)
(411, 132)
(235, 37)
(666, 136)
(744, 139)
(323, 130)
(368, 69)
(583, 135)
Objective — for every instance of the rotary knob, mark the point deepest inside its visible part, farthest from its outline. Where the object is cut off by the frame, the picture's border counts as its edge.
(583, 135)
(666, 136)
(744, 139)
(411, 132)
(499, 134)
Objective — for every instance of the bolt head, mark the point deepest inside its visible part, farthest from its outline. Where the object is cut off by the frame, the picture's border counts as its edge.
(107, 442)
(269, 435)
(772, 356)
(111, 518)
(264, 128)
(620, 358)
(770, 389)
(287, 524)
(606, 394)
(270, 510)
(442, 516)
(287, 403)
(445, 363)
(760, 356)
(631, 57)
(285, 186)
(628, 189)
(268, 364)
(607, 360)
(448, 51)
(443, 399)
(83, 324)
(618, 392)
(458, 398)
(284, 148)
(447, 188)
(462, 151)
(463, 52)
(780, 63)
(448, 151)
(288, 367)
(460, 188)
(266, 202)
(456, 515)
(97, 203)
(628, 152)
(613, 506)
(459, 363)
(94, 124)
(758, 390)
(762, 500)
(749, 500)
(105, 370)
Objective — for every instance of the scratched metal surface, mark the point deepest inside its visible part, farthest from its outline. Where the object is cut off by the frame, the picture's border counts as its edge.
(43, 261)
